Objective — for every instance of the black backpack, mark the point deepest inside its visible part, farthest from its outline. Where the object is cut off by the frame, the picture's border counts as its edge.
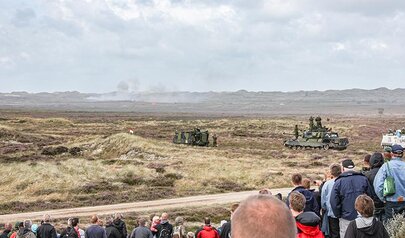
(164, 233)
(70, 233)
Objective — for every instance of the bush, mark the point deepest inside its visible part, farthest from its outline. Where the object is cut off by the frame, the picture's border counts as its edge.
(396, 226)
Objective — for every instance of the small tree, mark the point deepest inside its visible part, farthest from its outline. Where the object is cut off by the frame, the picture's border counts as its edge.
(396, 226)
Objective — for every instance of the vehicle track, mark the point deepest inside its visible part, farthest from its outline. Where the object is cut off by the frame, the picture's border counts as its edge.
(193, 201)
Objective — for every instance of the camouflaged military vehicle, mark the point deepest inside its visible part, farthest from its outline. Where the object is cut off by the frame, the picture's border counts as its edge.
(194, 137)
(317, 137)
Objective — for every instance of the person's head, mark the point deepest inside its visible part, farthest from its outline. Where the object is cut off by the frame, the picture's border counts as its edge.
(190, 235)
(18, 225)
(165, 216)
(335, 170)
(47, 218)
(179, 221)
(8, 226)
(155, 219)
(265, 191)
(254, 215)
(364, 205)
(387, 153)
(118, 216)
(109, 221)
(34, 228)
(234, 206)
(296, 179)
(376, 160)
(69, 222)
(366, 161)
(94, 219)
(348, 165)
(75, 221)
(306, 183)
(397, 151)
(142, 222)
(297, 202)
(207, 221)
(176, 235)
(27, 224)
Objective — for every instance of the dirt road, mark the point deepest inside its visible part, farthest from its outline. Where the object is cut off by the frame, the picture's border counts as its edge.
(194, 201)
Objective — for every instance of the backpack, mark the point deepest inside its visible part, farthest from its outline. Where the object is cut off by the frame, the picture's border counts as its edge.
(70, 233)
(164, 233)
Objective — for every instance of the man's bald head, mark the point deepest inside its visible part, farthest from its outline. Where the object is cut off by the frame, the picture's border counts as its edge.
(263, 216)
(165, 216)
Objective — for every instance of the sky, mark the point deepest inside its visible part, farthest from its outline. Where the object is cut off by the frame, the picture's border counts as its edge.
(194, 45)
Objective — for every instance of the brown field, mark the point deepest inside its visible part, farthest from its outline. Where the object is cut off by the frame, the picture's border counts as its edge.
(115, 166)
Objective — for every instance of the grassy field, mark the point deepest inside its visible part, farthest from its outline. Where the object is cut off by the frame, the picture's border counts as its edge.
(115, 166)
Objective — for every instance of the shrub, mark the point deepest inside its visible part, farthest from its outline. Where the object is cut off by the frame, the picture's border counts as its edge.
(396, 226)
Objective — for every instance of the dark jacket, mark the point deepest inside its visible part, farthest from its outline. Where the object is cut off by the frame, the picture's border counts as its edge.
(370, 176)
(112, 231)
(164, 225)
(208, 232)
(46, 230)
(95, 231)
(141, 232)
(5, 234)
(376, 230)
(311, 204)
(348, 186)
(308, 225)
(122, 227)
(226, 230)
(69, 232)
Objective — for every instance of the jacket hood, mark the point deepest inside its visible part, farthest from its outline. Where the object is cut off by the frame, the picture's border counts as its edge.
(207, 228)
(366, 226)
(308, 219)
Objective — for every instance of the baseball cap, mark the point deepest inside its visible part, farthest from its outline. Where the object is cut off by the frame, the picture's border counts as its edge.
(397, 148)
(348, 163)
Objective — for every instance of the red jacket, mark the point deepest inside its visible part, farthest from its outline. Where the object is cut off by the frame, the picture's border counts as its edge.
(308, 225)
(208, 232)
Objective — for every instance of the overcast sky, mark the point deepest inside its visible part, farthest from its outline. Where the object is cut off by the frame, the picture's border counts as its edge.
(196, 45)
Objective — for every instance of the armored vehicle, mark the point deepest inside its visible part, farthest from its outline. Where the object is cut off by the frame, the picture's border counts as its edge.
(317, 137)
(391, 138)
(194, 137)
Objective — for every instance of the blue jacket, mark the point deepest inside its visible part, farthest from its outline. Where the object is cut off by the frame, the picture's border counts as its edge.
(311, 204)
(348, 186)
(325, 197)
(397, 168)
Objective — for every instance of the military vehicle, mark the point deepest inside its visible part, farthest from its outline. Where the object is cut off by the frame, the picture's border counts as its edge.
(392, 138)
(316, 137)
(194, 137)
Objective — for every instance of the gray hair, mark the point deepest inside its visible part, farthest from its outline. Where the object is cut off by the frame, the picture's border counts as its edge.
(27, 224)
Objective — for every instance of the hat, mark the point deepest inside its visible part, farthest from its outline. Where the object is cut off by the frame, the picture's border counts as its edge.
(376, 159)
(388, 149)
(34, 228)
(397, 148)
(348, 163)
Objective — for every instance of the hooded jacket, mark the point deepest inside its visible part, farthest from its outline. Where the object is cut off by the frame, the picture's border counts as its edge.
(308, 225)
(208, 232)
(46, 230)
(366, 227)
(112, 232)
(25, 233)
(397, 168)
(348, 186)
(122, 227)
(311, 204)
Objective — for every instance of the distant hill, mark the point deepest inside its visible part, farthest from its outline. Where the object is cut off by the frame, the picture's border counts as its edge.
(351, 101)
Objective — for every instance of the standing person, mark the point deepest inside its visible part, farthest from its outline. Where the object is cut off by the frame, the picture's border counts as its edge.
(154, 224)
(395, 168)
(208, 231)
(263, 216)
(120, 225)
(111, 230)
(141, 231)
(164, 229)
(70, 231)
(348, 186)
(307, 222)
(365, 226)
(387, 154)
(226, 227)
(46, 230)
(376, 161)
(311, 203)
(366, 163)
(26, 232)
(179, 227)
(7, 230)
(330, 225)
(95, 230)
(17, 227)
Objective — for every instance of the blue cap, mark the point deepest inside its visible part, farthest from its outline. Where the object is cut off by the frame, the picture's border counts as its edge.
(397, 148)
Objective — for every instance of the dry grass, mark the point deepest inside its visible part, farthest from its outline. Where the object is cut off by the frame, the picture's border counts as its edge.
(119, 167)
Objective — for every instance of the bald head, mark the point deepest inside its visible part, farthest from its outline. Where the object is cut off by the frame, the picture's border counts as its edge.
(263, 216)
(165, 216)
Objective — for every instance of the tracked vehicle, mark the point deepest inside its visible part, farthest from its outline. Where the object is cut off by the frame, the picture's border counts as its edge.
(317, 137)
(194, 137)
